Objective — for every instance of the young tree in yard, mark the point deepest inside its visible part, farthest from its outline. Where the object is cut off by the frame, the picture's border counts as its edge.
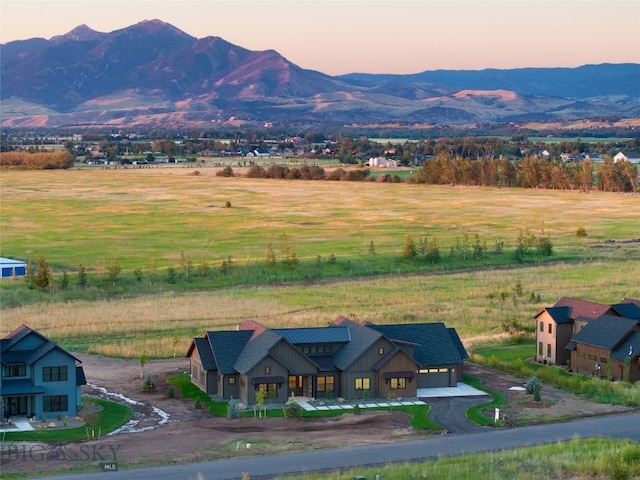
(174, 342)
(433, 252)
(372, 249)
(143, 361)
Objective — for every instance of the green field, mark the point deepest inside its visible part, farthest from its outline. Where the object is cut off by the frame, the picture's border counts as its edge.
(148, 220)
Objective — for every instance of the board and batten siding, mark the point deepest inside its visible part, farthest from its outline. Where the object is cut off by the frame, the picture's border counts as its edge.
(293, 360)
(399, 363)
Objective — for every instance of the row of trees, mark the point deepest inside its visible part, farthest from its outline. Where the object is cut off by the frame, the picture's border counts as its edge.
(466, 250)
(529, 172)
(36, 161)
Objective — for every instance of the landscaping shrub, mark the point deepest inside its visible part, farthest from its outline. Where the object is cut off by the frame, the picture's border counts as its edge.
(149, 384)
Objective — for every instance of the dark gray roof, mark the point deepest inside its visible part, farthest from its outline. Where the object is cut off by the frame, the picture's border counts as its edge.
(206, 354)
(560, 314)
(19, 387)
(631, 345)
(226, 347)
(436, 346)
(28, 356)
(255, 350)
(629, 310)
(298, 336)
(571, 346)
(458, 343)
(361, 339)
(80, 378)
(606, 331)
(324, 362)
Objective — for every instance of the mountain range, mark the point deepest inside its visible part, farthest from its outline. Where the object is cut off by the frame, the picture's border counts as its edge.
(155, 75)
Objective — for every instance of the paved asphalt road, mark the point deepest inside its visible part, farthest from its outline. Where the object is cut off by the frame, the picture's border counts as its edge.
(624, 426)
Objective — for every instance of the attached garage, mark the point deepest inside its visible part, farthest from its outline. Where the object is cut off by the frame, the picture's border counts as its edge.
(12, 268)
(437, 377)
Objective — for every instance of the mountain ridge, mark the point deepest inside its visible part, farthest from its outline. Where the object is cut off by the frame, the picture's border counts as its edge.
(154, 74)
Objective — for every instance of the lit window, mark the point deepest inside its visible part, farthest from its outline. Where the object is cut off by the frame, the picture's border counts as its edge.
(397, 383)
(362, 383)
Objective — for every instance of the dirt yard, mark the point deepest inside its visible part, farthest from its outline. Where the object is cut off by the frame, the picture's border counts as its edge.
(192, 435)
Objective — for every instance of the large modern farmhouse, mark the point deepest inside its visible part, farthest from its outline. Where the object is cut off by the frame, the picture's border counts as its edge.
(593, 338)
(345, 359)
(39, 378)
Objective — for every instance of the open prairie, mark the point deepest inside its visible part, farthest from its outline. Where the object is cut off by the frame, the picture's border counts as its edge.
(152, 216)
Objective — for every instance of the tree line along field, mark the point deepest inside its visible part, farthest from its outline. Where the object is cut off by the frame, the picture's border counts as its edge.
(149, 221)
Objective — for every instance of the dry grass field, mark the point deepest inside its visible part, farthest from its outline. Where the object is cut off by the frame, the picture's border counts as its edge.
(151, 215)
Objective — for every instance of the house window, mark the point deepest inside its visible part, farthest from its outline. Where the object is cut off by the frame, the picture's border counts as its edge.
(542, 326)
(54, 374)
(362, 383)
(592, 357)
(267, 387)
(548, 350)
(604, 360)
(381, 351)
(580, 354)
(540, 348)
(398, 383)
(267, 369)
(550, 327)
(324, 384)
(55, 403)
(231, 380)
(17, 370)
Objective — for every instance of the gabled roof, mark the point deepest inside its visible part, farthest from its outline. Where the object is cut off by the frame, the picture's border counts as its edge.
(204, 350)
(226, 347)
(300, 336)
(255, 350)
(558, 314)
(436, 345)
(629, 310)
(361, 339)
(629, 348)
(583, 309)
(607, 331)
(29, 356)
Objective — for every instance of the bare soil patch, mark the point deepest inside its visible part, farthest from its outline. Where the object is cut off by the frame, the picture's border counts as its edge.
(194, 435)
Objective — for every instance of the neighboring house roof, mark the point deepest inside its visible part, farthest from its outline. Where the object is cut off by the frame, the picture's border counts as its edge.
(583, 309)
(80, 377)
(435, 344)
(631, 300)
(29, 356)
(558, 314)
(629, 310)
(630, 347)
(606, 331)
(20, 387)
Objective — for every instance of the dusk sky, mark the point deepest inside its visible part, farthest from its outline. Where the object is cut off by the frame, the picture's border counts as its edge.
(371, 36)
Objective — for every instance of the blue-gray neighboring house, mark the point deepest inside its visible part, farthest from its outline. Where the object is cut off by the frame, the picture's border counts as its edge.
(39, 378)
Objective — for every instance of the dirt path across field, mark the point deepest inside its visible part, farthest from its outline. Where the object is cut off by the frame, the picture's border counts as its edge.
(188, 434)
